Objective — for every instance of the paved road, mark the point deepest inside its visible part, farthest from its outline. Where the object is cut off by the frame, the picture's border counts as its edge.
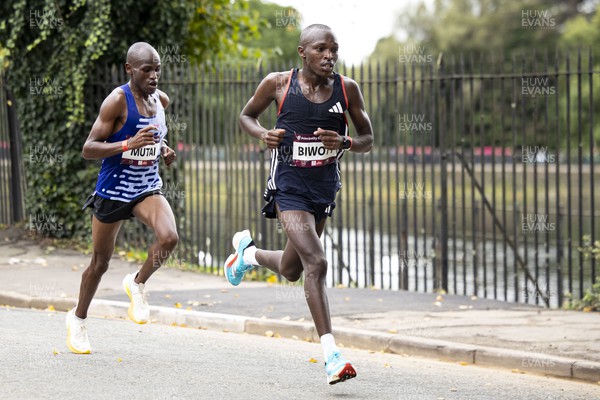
(165, 362)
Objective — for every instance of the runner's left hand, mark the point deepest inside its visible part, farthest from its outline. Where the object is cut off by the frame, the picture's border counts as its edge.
(331, 140)
(168, 155)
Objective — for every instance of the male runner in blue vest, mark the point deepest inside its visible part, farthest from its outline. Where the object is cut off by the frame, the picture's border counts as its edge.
(128, 136)
(310, 136)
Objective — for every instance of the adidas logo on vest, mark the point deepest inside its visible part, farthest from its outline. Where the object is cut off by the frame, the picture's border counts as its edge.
(337, 108)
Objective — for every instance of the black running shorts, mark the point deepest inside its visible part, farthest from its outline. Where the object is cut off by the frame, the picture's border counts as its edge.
(109, 211)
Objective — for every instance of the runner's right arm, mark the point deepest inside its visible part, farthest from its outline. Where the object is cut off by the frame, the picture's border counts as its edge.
(267, 91)
(111, 111)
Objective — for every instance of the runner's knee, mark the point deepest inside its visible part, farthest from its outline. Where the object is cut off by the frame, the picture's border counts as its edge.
(292, 276)
(316, 267)
(168, 240)
(100, 262)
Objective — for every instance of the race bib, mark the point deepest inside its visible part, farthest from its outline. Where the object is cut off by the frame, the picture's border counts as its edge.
(308, 151)
(147, 155)
(144, 156)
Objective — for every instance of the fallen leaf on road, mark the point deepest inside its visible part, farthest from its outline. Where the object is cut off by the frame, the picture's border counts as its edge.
(269, 333)
(295, 337)
(312, 360)
(177, 305)
(386, 365)
(463, 363)
(188, 308)
(167, 296)
(55, 352)
(392, 330)
(74, 268)
(224, 291)
(119, 360)
(439, 298)
(50, 308)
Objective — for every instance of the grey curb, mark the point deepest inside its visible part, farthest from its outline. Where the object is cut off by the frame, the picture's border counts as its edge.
(518, 361)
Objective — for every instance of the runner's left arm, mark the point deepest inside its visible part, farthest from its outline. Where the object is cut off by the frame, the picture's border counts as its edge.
(356, 108)
(363, 142)
(167, 153)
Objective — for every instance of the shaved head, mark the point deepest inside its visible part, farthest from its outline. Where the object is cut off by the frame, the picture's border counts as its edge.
(140, 52)
(311, 32)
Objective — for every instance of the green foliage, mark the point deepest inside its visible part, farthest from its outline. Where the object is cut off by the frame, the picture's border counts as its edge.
(278, 33)
(589, 302)
(500, 36)
(591, 297)
(589, 249)
(483, 26)
(50, 50)
(50, 47)
(217, 28)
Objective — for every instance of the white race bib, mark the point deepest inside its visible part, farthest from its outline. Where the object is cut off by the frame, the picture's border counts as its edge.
(145, 156)
(308, 151)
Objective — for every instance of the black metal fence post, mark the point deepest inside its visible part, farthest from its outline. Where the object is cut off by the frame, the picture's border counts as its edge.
(442, 258)
(16, 158)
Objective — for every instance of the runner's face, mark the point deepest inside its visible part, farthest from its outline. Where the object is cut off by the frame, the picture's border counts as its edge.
(145, 73)
(321, 53)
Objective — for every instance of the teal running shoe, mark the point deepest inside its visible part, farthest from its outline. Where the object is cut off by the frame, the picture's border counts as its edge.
(235, 267)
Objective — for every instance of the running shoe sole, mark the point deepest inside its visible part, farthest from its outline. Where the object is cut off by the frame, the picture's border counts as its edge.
(347, 372)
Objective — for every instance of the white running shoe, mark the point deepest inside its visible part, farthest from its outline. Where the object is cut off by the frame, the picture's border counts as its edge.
(77, 338)
(139, 311)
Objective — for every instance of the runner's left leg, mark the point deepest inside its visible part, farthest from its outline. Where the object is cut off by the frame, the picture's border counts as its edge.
(155, 212)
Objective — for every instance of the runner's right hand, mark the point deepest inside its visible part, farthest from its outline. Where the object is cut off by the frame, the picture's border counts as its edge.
(273, 137)
(143, 137)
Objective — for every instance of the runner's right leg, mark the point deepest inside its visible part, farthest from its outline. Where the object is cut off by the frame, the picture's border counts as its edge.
(103, 237)
(103, 240)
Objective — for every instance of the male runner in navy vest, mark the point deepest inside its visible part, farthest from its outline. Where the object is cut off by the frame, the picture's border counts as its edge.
(310, 136)
(128, 136)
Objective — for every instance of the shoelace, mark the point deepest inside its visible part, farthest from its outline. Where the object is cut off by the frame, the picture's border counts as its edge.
(333, 358)
(142, 295)
(81, 332)
(244, 267)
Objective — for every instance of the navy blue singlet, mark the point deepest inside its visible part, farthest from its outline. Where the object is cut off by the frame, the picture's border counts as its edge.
(301, 165)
